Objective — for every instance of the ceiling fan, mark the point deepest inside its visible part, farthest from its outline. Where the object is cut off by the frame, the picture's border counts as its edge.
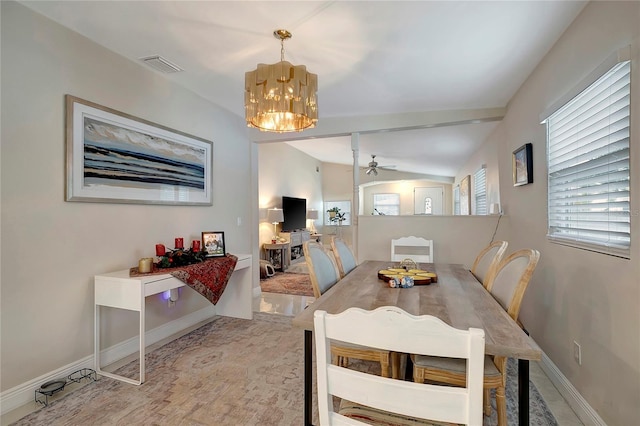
(373, 167)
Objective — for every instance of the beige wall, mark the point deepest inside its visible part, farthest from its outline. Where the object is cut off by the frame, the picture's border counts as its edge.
(51, 249)
(577, 295)
(456, 239)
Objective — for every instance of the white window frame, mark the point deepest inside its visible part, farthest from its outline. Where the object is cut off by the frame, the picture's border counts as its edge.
(389, 209)
(588, 163)
(344, 206)
(480, 191)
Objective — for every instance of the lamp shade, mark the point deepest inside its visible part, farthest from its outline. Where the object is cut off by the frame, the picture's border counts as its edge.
(275, 216)
(281, 97)
(312, 214)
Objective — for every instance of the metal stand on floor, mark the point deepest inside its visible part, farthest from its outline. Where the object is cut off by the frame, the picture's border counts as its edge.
(54, 386)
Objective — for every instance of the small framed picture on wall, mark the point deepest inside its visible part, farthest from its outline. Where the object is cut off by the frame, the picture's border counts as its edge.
(523, 165)
(213, 243)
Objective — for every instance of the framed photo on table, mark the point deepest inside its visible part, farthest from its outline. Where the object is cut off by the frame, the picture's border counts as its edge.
(213, 243)
(523, 165)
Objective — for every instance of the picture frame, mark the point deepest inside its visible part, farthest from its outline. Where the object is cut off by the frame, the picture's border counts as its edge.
(522, 164)
(465, 195)
(113, 157)
(213, 243)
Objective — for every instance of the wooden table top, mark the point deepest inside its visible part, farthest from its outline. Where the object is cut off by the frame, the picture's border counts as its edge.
(457, 298)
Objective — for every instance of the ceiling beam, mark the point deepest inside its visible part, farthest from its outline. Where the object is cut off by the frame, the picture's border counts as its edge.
(345, 126)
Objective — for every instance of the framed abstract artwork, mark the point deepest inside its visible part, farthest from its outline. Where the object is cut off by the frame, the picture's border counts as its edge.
(523, 165)
(113, 157)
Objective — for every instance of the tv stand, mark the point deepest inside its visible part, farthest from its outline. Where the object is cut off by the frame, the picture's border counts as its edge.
(295, 240)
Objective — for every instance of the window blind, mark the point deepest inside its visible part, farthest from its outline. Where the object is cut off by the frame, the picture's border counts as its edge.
(480, 191)
(588, 166)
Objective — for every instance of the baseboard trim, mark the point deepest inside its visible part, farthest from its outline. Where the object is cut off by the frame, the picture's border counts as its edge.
(578, 404)
(257, 291)
(24, 393)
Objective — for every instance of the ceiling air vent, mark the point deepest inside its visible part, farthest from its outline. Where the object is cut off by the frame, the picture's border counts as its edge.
(161, 64)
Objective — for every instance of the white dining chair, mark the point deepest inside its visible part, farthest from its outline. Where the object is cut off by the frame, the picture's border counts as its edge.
(345, 259)
(370, 399)
(417, 249)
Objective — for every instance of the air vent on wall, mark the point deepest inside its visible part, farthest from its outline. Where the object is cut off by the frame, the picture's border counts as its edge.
(161, 64)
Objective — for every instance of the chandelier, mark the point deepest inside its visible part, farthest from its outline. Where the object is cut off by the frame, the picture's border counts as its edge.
(281, 97)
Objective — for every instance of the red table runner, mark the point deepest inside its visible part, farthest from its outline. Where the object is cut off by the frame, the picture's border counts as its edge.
(209, 278)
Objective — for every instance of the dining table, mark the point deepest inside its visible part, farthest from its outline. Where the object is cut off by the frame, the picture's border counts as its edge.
(457, 298)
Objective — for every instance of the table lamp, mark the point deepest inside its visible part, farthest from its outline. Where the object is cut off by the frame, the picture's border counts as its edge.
(275, 216)
(312, 215)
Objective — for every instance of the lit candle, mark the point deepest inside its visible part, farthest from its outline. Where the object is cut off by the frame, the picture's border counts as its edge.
(195, 245)
(160, 250)
(179, 243)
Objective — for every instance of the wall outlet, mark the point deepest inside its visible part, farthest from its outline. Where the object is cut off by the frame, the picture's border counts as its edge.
(577, 353)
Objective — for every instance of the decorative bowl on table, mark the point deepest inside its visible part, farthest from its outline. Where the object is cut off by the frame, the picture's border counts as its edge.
(420, 276)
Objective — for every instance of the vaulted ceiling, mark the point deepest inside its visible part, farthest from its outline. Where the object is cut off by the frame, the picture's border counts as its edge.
(423, 82)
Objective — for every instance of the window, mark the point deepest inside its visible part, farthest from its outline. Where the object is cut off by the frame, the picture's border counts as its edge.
(480, 191)
(456, 200)
(344, 209)
(428, 205)
(588, 166)
(386, 204)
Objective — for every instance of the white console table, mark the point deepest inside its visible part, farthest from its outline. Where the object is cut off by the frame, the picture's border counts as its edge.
(119, 290)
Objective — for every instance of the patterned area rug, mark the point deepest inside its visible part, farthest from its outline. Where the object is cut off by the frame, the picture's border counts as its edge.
(228, 372)
(288, 283)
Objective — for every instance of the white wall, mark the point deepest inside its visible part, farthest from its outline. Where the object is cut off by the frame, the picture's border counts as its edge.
(51, 249)
(577, 295)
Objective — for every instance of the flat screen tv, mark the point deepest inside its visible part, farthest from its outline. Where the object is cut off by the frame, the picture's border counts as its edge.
(295, 214)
